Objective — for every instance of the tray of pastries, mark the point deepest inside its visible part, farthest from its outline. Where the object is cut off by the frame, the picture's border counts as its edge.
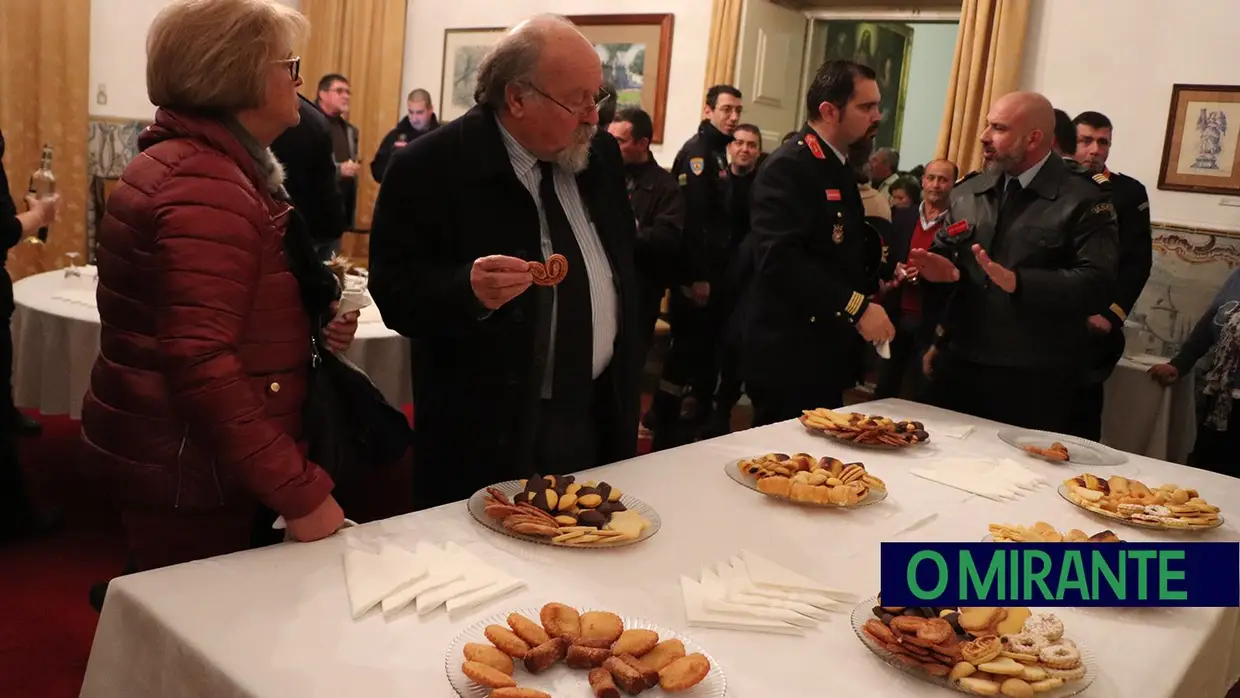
(558, 510)
(980, 651)
(1169, 507)
(804, 479)
(1042, 532)
(865, 430)
(561, 651)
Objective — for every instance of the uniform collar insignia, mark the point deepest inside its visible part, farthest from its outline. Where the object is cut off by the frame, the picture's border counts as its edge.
(811, 141)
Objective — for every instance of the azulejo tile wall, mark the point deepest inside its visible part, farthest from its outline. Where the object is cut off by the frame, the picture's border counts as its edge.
(112, 143)
(1190, 266)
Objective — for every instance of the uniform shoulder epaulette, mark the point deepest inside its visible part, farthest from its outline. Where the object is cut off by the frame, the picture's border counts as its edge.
(1101, 178)
(969, 176)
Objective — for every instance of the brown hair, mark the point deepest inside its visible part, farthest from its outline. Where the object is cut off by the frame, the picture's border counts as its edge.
(213, 55)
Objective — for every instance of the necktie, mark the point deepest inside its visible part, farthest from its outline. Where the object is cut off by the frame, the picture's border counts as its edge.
(573, 342)
(1010, 190)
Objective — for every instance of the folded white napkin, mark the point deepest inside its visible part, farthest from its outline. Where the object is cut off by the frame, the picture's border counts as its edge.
(353, 300)
(456, 579)
(999, 480)
(883, 349)
(951, 430)
(370, 577)
(752, 593)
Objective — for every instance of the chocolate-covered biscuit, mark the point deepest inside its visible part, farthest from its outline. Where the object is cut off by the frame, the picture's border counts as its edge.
(591, 517)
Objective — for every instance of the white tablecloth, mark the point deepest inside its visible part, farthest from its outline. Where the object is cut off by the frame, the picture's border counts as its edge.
(56, 340)
(1141, 416)
(275, 622)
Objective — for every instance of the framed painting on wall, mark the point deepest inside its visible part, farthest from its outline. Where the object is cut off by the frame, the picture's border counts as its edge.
(463, 50)
(1199, 151)
(887, 48)
(636, 52)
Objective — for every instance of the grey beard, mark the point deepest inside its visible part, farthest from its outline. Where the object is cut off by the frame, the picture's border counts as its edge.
(576, 157)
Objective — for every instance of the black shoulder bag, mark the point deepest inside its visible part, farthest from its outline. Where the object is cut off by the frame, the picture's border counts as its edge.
(346, 422)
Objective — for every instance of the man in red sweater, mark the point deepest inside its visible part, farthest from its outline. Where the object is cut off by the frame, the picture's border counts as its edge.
(903, 300)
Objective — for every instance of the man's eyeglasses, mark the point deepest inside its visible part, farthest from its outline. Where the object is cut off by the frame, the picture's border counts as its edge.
(294, 67)
(580, 112)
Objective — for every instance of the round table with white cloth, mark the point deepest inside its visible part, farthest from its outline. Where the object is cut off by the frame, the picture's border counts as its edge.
(1141, 416)
(56, 341)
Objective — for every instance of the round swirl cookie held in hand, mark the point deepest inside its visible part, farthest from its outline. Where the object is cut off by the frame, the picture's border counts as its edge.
(551, 273)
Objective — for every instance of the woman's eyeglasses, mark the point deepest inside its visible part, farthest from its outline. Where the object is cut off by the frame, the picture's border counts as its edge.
(294, 67)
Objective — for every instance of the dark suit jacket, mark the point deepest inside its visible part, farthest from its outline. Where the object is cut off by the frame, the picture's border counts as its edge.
(310, 173)
(447, 199)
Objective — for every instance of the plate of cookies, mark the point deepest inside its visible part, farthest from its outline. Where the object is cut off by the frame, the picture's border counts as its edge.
(1042, 532)
(561, 651)
(865, 430)
(1168, 508)
(804, 479)
(558, 510)
(979, 651)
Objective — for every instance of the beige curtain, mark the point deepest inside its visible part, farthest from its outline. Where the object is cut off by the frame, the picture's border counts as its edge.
(44, 76)
(989, 49)
(364, 40)
(725, 29)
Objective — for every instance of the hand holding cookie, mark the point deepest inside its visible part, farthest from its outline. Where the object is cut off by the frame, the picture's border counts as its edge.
(551, 273)
(497, 279)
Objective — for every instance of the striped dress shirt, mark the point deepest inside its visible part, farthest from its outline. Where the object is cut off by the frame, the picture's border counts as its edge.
(604, 301)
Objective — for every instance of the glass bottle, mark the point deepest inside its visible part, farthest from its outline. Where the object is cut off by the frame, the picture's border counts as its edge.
(43, 185)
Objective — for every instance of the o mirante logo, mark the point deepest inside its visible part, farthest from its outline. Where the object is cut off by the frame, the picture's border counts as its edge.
(1061, 574)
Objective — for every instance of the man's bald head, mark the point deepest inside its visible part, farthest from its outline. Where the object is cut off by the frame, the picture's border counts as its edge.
(1019, 131)
(524, 52)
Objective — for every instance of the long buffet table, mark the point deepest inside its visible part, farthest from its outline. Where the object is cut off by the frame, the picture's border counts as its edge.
(275, 622)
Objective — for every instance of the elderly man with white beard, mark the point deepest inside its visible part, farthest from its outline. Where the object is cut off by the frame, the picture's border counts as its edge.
(514, 373)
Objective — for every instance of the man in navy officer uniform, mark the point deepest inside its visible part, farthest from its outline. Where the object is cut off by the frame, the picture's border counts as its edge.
(1136, 256)
(810, 318)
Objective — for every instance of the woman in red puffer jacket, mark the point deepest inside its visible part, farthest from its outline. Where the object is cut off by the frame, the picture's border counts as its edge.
(194, 408)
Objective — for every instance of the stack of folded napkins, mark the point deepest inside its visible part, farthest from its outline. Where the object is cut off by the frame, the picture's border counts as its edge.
(429, 577)
(998, 479)
(752, 593)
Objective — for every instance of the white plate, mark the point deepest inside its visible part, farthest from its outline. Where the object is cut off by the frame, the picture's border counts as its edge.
(561, 681)
(1080, 451)
(862, 612)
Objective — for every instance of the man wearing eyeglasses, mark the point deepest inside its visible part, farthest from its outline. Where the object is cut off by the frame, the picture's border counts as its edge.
(333, 100)
(685, 394)
(513, 378)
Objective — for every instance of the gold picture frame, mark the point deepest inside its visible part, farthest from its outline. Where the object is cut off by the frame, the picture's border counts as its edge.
(1201, 151)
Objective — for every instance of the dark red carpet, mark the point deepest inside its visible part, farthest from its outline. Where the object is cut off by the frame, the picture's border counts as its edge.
(46, 621)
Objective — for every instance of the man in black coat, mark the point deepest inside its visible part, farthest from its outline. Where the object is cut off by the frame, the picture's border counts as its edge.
(1136, 257)
(419, 120)
(659, 208)
(1028, 253)
(809, 317)
(305, 150)
(701, 168)
(513, 378)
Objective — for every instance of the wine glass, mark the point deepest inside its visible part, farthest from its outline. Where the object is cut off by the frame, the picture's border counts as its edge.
(73, 269)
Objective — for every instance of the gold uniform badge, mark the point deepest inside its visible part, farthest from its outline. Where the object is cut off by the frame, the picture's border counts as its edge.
(837, 233)
(696, 165)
